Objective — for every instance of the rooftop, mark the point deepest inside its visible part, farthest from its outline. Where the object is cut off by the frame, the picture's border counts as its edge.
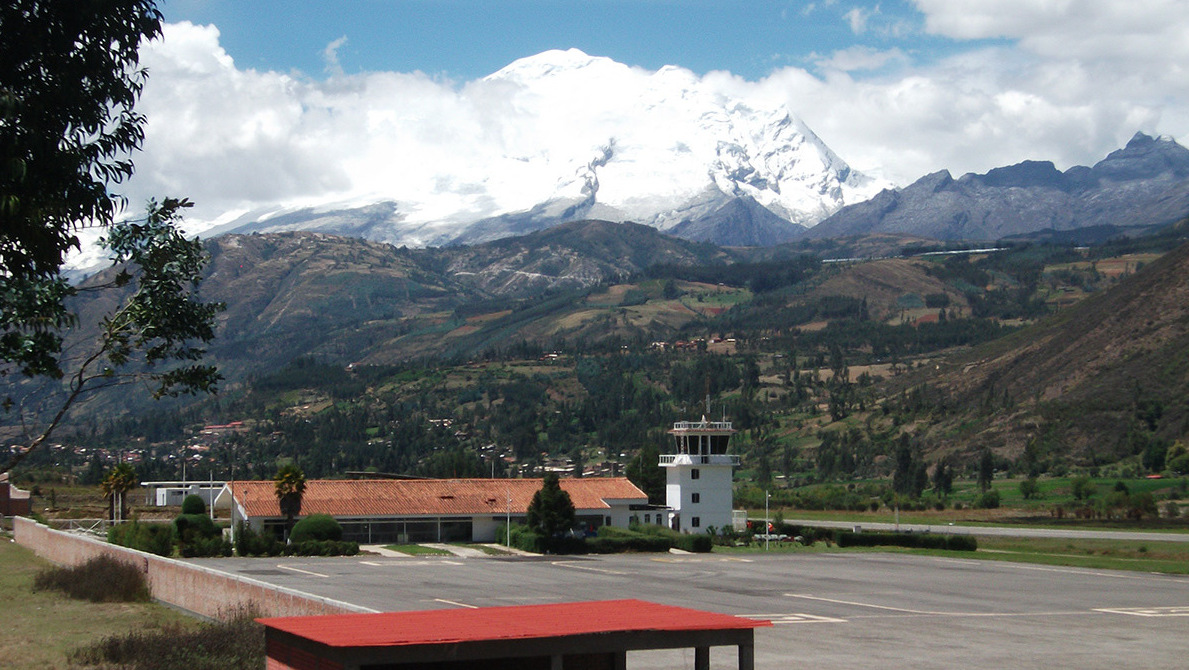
(452, 626)
(434, 497)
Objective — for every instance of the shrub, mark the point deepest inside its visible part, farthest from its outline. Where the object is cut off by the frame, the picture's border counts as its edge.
(321, 548)
(154, 538)
(694, 543)
(236, 643)
(911, 540)
(988, 500)
(102, 579)
(193, 504)
(250, 543)
(316, 527)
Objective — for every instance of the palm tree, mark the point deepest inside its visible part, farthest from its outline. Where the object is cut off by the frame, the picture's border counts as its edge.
(119, 480)
(290, 485)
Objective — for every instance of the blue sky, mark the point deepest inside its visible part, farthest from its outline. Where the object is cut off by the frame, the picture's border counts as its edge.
(464, 40)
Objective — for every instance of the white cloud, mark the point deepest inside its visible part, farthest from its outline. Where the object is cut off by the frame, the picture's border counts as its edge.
(860, 58)
(857, 19)
(1067, 82)
(331, 56)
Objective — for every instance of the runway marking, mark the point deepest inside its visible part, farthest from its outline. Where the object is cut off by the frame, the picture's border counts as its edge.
(1147, 611)
(571, 564)
(458, 604)
(304, 572)
(724, 559)
(405, 564)
(934, 612)
(858, 604)
(791, 618)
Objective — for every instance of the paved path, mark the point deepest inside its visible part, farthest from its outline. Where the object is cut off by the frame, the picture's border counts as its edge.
(1002, 531)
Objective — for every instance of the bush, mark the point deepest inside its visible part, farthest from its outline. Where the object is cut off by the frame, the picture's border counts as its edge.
(316, 527)
(988, 500)
(102, 579)
(250, 543)
(194, 526)
(236, 643)
(206, 546)
(193, 504)
(321, 548)
(911, 540)
(154, 538)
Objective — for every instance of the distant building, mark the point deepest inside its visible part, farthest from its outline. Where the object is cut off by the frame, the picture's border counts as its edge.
(378, 511)
(163, 494)
(698, 476)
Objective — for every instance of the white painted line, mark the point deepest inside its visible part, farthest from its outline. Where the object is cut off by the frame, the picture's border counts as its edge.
(858, 604)
(933, 612)
(405, 564)
(457, 604)
(304, 572)
(791, 618)
(571, 564)
(1147, 611)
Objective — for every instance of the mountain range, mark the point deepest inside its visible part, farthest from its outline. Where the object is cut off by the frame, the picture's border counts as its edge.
(1141, 186)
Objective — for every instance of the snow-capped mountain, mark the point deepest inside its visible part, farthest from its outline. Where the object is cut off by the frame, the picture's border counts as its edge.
(562, 136)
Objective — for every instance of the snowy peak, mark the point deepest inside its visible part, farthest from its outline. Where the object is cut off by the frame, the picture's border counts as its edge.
(563, 135)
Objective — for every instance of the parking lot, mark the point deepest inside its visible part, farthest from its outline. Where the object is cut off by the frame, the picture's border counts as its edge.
(829, 610)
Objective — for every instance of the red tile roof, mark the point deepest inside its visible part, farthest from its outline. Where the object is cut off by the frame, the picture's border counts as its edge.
(451, 626)
(428, 497)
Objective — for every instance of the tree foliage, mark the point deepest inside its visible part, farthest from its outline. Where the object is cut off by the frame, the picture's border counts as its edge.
(551, 511)
(69, 81)
(154, 334)
(289, 486)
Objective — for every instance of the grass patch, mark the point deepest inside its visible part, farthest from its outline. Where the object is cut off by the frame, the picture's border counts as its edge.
(418, 550)
(42, 627)
(1140, 556)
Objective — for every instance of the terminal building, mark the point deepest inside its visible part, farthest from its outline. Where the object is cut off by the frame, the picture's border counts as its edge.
(381, 511)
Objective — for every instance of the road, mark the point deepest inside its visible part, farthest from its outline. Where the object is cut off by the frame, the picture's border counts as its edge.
(887, 611)
(1002, 531)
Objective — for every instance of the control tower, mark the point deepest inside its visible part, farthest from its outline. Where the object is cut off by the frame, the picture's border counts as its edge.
(698, 475)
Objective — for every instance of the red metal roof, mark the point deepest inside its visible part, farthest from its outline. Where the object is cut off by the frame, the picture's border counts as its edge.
(391, 629)
(428, 497)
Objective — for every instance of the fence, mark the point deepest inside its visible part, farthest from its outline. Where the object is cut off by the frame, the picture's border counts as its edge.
(194, 588)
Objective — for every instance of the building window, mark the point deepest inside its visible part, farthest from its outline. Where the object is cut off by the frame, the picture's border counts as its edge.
(695, 522)
(695, 473)
(647, 518)
(695, 497)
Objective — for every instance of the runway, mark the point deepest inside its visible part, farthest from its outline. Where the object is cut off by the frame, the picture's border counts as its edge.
(830, 610)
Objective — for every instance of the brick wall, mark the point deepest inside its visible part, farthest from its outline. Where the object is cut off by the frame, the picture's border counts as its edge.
(195, 588)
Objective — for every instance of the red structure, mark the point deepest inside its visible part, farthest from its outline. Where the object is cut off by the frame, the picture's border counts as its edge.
(566, 636)
(13, 501)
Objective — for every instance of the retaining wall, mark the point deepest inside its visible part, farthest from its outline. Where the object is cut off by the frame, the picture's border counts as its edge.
(191, 587)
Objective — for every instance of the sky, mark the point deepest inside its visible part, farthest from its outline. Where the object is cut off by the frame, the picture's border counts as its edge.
(253, 103)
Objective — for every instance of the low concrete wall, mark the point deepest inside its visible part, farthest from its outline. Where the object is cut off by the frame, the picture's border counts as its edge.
(190, 587)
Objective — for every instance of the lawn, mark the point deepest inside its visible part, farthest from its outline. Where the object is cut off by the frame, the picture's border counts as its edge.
(40, 629)
(418, 550)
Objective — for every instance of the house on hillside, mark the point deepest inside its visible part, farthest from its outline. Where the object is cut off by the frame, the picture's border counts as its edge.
(380, 511)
